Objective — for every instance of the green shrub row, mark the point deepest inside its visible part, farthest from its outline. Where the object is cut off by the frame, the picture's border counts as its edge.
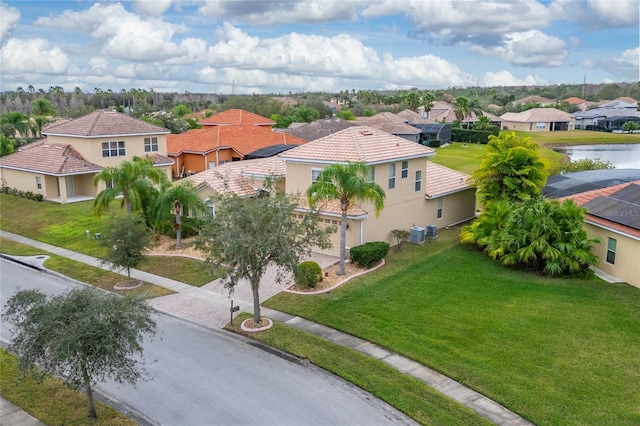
(472, 136)
(369, 254)
(434, 143)
(23, 194)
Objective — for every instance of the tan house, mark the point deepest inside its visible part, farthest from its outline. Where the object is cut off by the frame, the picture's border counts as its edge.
(538, 120)
(613, 215)
(419, 193)
(214, 145)
(62, 166)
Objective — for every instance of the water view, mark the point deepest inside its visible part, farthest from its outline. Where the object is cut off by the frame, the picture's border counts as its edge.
(622, 156)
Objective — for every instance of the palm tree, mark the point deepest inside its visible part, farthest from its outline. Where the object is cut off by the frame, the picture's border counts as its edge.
(347, 184)
(16, 121)
(413, 100)
(427, 100)
(39, 122)
(461, 107)
(133, 180)
(177, 198)
(475, 108)
(42, 106)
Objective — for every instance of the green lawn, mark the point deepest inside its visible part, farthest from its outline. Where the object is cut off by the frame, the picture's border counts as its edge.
(65, 225)
(555, 351)
(407, 394)
(580, 137)
(52, 401)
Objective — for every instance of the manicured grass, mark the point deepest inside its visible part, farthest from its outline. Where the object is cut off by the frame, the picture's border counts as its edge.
(407, 394)
(66, 226)
(580, 137)
(79, 271)
(554, 351)
(52, 401)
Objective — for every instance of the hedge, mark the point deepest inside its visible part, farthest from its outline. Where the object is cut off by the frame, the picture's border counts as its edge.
(369, 254)
(472, 136)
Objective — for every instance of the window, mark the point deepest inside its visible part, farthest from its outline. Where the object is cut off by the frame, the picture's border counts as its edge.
(404, 173)
(314, 174)
(392, 175)
(418, 185)
(212, 164)
(211, 208)
(611, 251)
(439, 215)
(372, 174)
(150, 144)
(113, 149)
(221, 162)
(38, 182)
(540, 125)
(109, 184)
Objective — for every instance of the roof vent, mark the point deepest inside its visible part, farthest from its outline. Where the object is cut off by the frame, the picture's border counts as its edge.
(366, 133)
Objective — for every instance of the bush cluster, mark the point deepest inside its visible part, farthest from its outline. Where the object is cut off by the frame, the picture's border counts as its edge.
(23, 194)
(369, 254)
(472, 136)
(597, 128)
(307, 274)
(434, 143)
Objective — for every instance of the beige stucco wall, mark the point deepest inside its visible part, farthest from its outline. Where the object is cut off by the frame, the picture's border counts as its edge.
(26, 181)
(91, 148)
(457, 207)
(530, 127)
(627, 264)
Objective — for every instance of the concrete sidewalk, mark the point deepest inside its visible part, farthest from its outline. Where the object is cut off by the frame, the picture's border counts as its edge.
(211, 308)
(10, 415)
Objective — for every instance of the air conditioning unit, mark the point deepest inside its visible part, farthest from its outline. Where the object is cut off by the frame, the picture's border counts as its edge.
(417, 234)
(432, 231)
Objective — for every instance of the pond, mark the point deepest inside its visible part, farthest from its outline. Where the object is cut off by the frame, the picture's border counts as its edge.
(622, 156)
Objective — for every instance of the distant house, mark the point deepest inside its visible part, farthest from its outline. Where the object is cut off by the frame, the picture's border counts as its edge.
(429, 129)
(393, 124)
(613, 216)
(62, 166)
(538, 120)
(318, 128)
(224, 137)
(418, 192)
(609, 116)
(534, 99)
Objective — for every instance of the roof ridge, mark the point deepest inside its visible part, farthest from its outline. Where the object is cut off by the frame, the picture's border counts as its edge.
(99, 113)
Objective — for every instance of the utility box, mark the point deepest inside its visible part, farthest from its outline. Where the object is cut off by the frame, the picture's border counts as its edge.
(432, 231)
(417, 234)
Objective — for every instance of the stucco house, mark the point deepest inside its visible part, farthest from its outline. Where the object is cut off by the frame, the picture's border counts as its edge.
(613, 215)
(610, 116)
(538, 120)
(214, 145)
(419, 193)
(393, 124)
(62, 166)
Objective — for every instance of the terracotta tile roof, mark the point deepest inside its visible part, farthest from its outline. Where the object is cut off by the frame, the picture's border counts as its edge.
(236, 117)
(534, 98)
(414, 117)
(103, 123)
(244, 139)
(332, 207)
(388, 122)
(574, 100)
(49, 158)
(584, 197)
(236, 177)
(359, 143)
(535, 115)
(442, 180)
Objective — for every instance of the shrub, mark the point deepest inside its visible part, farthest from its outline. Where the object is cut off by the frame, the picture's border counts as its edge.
(401, 236)
(369, 254)
(434, 143)
(472, 136)
(307, 274)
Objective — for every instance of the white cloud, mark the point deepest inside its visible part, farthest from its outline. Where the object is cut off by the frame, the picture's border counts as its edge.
(599, 13)
(126, 35)
(505, 78)
(281, 12)
(10, 18)
(530, 48)
(32, 56)
(627, 65)
(151, 7)
(478, 22)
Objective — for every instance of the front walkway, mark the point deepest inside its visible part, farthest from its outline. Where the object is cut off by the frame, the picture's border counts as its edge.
(209, 306)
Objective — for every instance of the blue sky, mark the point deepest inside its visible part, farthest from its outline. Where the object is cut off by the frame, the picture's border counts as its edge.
(308, 45)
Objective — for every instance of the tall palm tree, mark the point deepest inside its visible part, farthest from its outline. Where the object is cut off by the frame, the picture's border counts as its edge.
(132, 180)
(475, 108)
(461, 107)
(39, 122)
(16, 121)
(347, 184)
(413, 100)
(177, 198)
(427, 100)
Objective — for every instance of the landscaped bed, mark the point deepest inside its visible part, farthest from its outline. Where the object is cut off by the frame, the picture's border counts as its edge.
(554, 351)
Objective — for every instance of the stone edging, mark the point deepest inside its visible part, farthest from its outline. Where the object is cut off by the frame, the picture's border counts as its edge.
(326, 290)
(253, 330)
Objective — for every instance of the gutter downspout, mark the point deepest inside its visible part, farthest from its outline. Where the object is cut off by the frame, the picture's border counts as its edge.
(361, 232)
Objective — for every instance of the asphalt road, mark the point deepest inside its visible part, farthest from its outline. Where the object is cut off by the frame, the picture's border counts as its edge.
(200, 376)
